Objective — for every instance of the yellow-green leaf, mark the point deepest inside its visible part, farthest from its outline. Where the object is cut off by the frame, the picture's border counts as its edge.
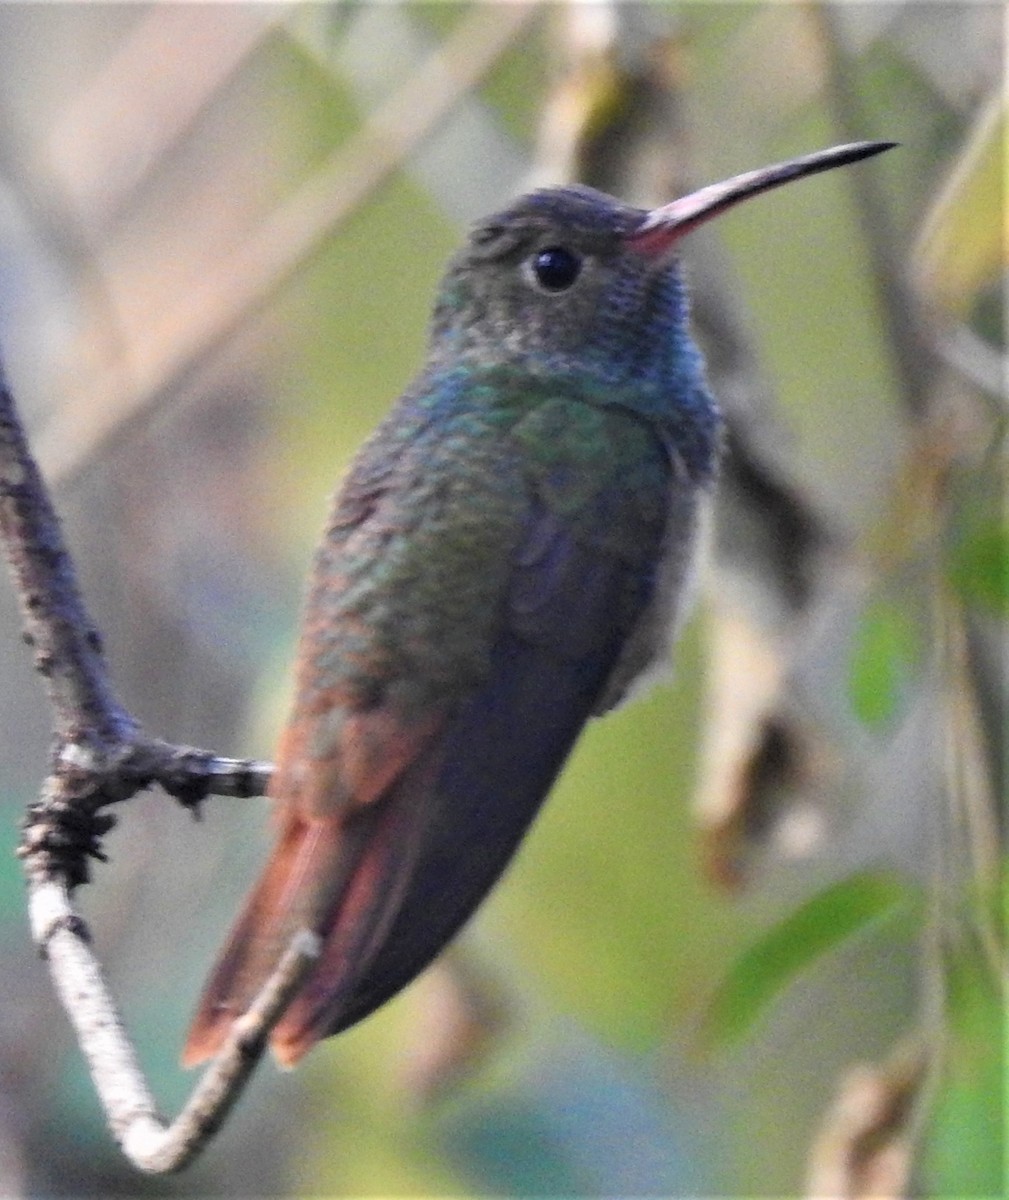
(962, 247)
(885, 649)
(765, 969)
(980, 567)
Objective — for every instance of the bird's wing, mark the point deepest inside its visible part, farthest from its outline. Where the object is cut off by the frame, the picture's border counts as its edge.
(398, 626)
(576, 589)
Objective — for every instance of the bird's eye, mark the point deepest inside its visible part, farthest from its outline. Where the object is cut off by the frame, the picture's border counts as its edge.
(555, 268)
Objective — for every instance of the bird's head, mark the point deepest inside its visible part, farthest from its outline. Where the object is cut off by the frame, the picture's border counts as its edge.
(569, 279)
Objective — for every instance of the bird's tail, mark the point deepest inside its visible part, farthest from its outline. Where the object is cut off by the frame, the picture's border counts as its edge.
(298, 888)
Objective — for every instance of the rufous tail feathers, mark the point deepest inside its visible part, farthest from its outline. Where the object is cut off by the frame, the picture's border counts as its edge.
(298, 886)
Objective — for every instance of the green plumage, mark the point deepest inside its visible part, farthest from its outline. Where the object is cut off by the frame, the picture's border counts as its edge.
(412, 577)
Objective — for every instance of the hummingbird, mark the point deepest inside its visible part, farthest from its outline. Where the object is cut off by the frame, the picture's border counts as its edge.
(509, 556)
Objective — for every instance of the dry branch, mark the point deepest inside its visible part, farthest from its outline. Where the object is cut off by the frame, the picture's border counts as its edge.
(100, 757)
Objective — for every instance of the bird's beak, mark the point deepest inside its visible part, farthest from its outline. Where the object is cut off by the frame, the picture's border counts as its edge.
(664, 226)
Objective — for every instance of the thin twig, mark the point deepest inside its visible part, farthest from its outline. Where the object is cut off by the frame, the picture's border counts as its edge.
(913, 354)
(145, 1139)
(102, 757)
(68, 649)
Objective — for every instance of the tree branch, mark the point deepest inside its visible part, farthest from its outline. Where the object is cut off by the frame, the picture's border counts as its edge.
(101, 757)
(68, 648)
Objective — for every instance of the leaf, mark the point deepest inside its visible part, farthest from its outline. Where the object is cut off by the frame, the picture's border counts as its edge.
(822, 923)
(885, 649)
(962, 247)
(965, 1144)
(980, 568)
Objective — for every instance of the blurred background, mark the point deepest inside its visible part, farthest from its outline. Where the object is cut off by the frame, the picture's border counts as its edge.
(752, 946)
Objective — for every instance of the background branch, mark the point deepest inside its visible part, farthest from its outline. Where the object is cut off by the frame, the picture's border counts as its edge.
(166, 343)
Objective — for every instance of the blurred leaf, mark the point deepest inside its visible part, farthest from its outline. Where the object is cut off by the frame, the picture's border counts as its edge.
(962, 247)
(964, 1152)
(821, 924)
(980, 567)
(885, 649)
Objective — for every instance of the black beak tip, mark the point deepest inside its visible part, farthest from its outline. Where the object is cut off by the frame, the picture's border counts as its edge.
(871, 148)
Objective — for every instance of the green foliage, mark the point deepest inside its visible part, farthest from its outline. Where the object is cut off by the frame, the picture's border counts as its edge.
(962, 250)
(822, 923)
(885, 653)
(966, 1144)
(979, 569)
